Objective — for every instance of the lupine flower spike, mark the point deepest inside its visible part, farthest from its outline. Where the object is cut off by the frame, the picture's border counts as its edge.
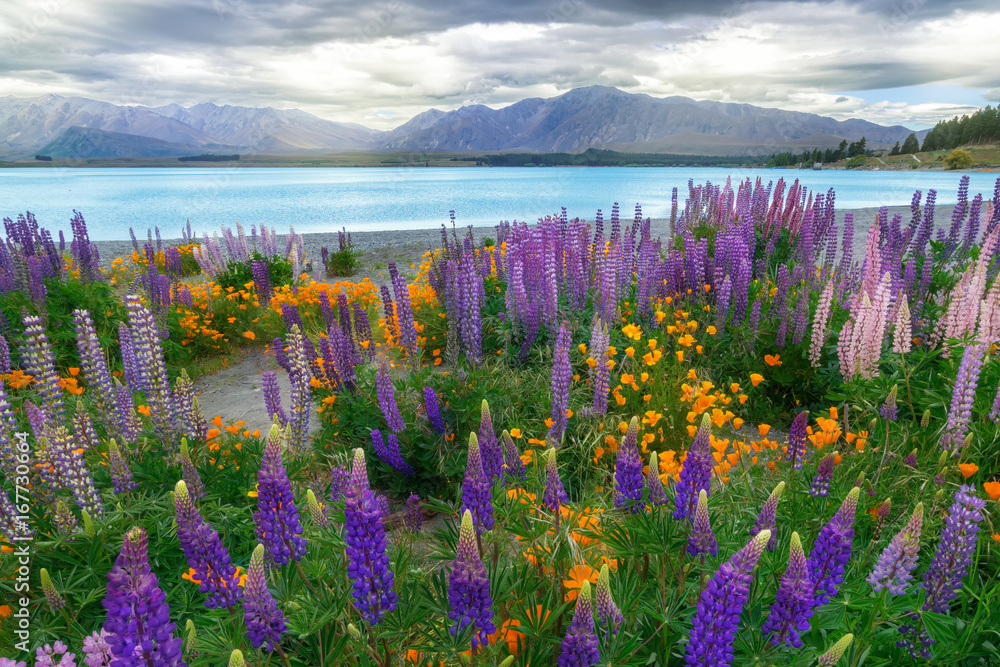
(628, 471)
(477, 496)
(836, 652)
(768, 517)
(943, 579)
(489, 447)
(364, 538)
(580, 645)
(657, 496)
(513, 465)
(894, 568)
(469, 588)
(792, 609)
(607, 611)
(138, 621)
(205, 553)
(265, 622)
(52, 596)
(696, 475)
(319, 517)
(555, 494)
(832, 550)
(702, 540)
(720, 605)
(277, 518)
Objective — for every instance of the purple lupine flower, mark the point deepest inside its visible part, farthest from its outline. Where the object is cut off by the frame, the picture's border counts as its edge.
(72, 472)
(277, 518)
(513, 465)
(628, 470)
(889, 410)
(832, 550)
(580, 645)
(93, 363)
(272, 398)
(720, 605)
(607, 611)
(40, 362)
(36, 282)
(150, 363)
(390, 454)
(387, 398)
(127, 420)
(600, 372)
(382, 502)
(188, 411)
(824, 473)
(300, 376)
(489, 446)
(995, 410)
(562, 375)
(433, 410)
(97, 650)
(963, 396)
(894, 568)
(943, 579)
(656, 495)
(404, 312)
(389, 313)
(262, 281)
(768, 517)
(54, 655)
(5, 366)
(469, 587)
(138, 618)
(555, 494)
(280, 356)
(121, 476)
(477, 496)
(190, 474)
(414, 518)
(696, 473)
(339, 479)
(133, 376)
(702, 540)
(265, 621)
(205, 553)
(798, 436)
(789, 615)
(365, 542)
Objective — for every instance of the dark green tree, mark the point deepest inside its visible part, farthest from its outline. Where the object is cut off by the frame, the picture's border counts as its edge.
(911, 145)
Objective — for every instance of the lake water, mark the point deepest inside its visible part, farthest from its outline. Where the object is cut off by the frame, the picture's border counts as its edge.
(322, 200)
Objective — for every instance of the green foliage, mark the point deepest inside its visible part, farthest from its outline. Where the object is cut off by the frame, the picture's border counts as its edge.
(63, 297)
(343, 262)
(238, 274)
(981, 127)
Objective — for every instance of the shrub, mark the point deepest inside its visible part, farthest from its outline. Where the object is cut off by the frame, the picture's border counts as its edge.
(959, 159)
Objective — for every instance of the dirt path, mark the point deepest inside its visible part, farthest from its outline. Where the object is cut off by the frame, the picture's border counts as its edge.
(235, 393)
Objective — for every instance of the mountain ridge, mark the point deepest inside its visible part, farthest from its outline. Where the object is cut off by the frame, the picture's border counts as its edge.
(592, 116)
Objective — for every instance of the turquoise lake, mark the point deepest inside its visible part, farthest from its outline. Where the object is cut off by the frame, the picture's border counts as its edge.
(382, 199)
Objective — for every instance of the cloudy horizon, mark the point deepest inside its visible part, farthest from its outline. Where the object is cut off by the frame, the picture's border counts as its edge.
(907, 62)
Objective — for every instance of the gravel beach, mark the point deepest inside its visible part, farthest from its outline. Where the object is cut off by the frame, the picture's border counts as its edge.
(406, 247)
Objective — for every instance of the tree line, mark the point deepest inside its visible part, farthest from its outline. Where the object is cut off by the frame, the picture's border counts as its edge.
(982, 127)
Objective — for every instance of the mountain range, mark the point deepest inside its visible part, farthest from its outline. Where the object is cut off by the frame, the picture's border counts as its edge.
(596, 116)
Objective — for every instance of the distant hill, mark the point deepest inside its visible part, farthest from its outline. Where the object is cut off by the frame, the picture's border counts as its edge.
(596, 116)
(611, 118)
(86, 142)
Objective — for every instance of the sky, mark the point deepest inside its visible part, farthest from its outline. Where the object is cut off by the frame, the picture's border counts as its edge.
(380, 62)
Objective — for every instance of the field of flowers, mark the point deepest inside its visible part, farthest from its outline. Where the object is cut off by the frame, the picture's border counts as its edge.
(572, 444)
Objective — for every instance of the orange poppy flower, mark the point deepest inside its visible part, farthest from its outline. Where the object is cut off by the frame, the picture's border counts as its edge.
(968, 469)
(772, 360)
(249, 334)
(756, 379)
(577, 575)
(992, 489)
